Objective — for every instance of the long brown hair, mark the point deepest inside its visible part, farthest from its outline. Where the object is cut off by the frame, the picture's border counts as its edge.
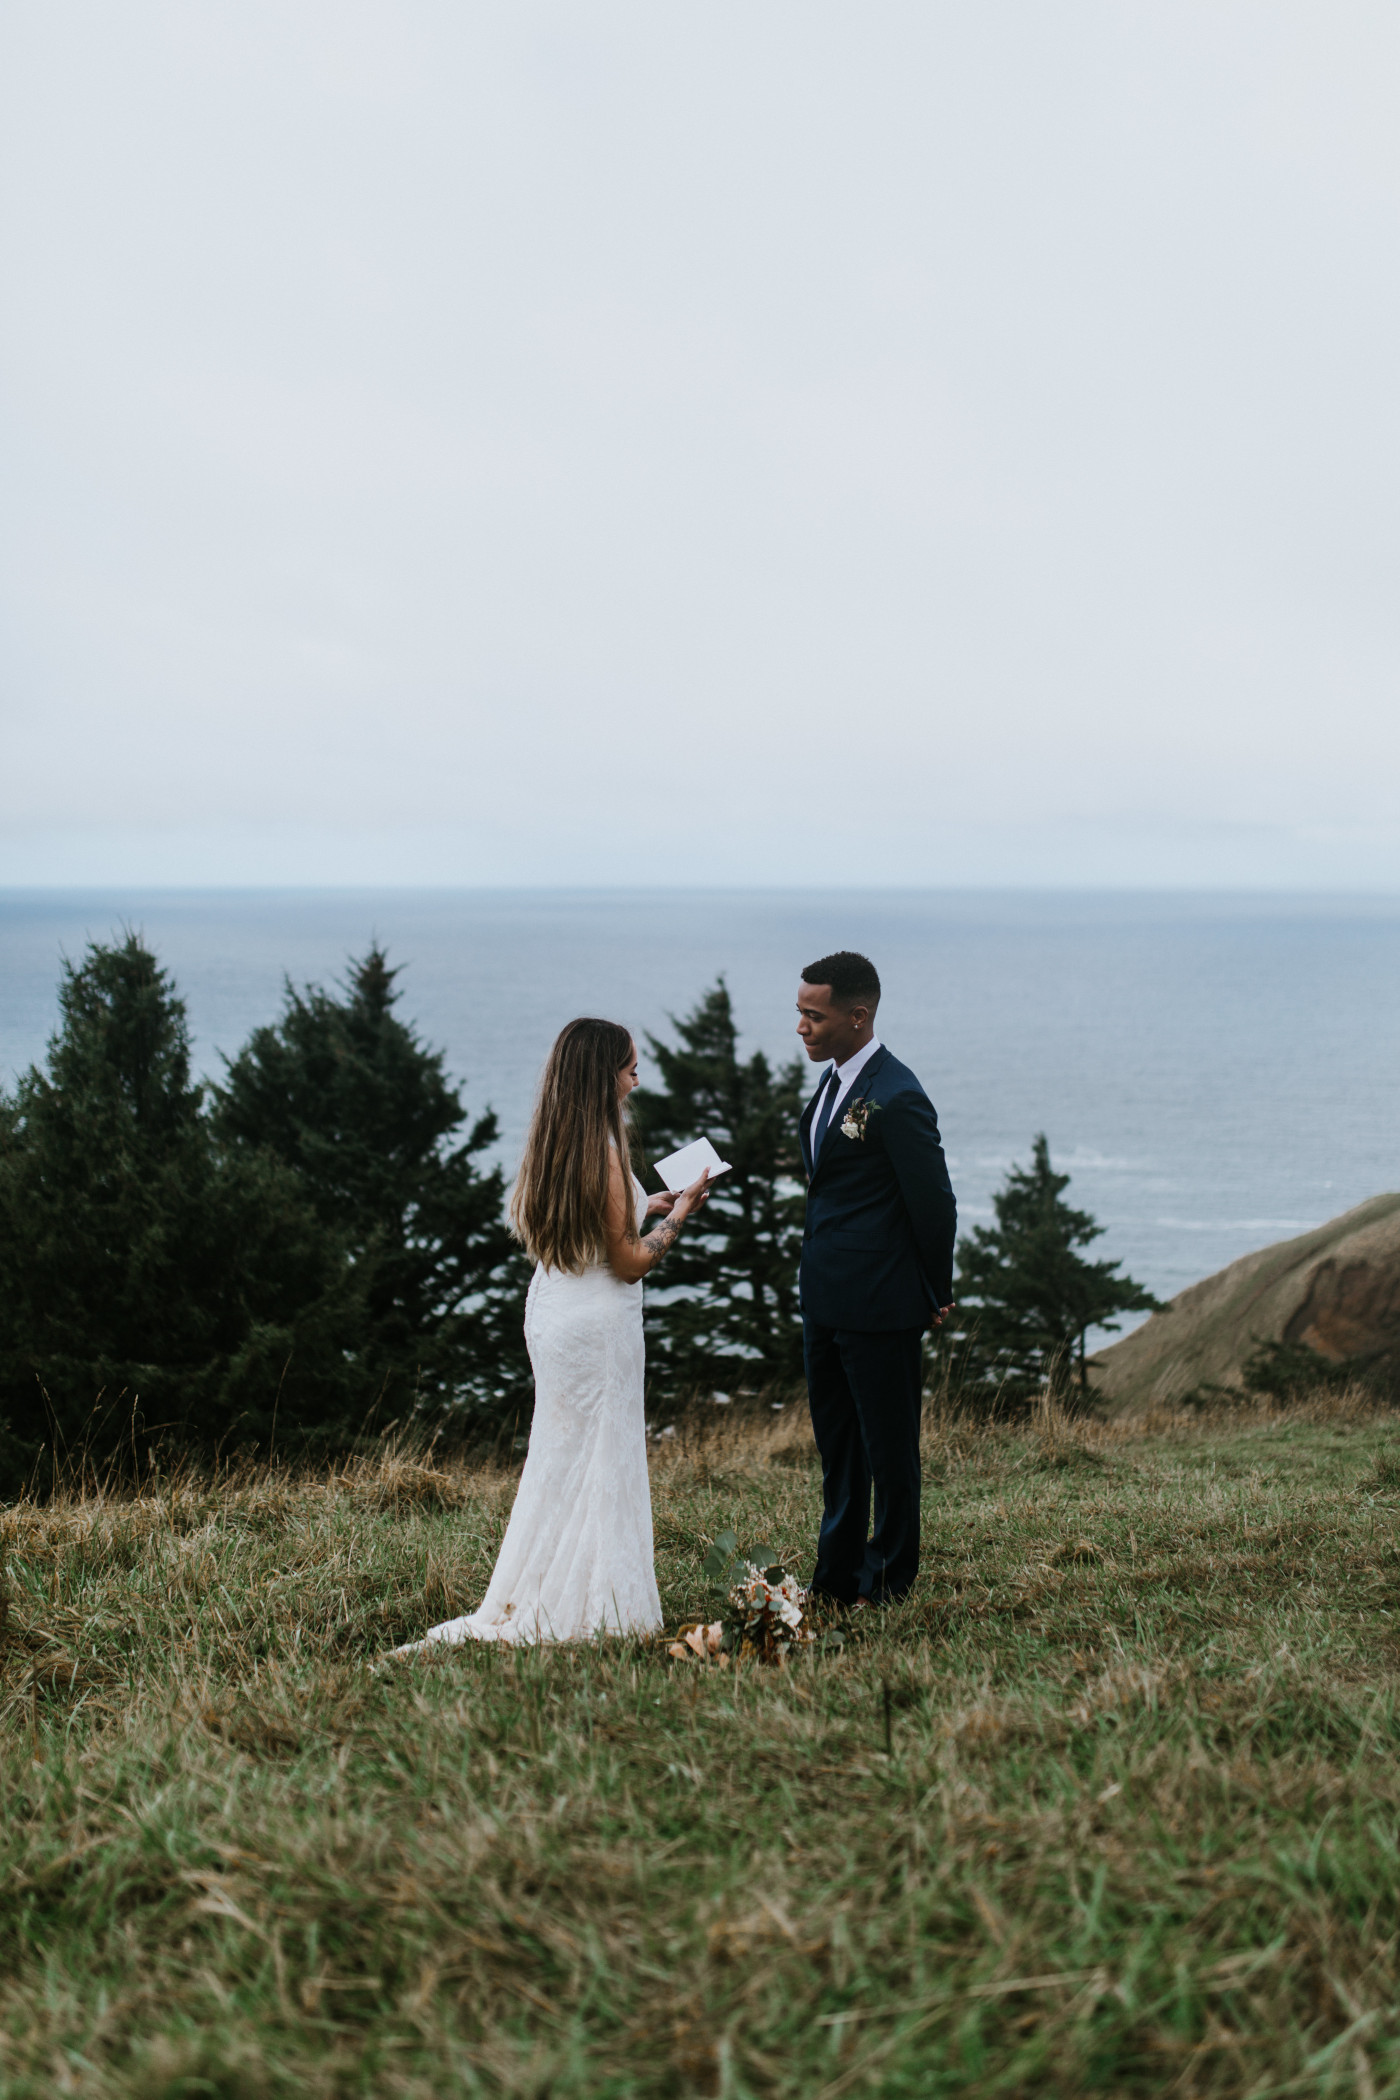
(558, 1207)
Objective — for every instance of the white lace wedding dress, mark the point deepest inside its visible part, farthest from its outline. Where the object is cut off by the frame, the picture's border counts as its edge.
(576, 1560)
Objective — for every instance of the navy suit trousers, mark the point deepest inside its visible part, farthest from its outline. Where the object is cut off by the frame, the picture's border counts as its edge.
(866, 1396)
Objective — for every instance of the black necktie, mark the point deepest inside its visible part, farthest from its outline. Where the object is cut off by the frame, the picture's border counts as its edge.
(823, 1115)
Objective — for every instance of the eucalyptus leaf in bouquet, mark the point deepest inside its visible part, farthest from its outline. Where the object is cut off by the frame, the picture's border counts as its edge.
(764, 1612)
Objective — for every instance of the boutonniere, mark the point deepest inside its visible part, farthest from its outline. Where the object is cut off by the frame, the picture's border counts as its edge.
(857, 1118)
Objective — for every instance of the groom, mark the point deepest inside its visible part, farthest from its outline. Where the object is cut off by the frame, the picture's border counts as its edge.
(877, 1255)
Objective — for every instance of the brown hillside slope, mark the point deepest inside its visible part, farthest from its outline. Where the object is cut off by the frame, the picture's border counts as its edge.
(1335, 1290)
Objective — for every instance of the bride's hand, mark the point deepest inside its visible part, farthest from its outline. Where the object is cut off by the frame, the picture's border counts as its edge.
(660, 1206)
(691, 1199)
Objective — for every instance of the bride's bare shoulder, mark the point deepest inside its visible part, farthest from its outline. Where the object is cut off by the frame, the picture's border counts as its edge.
(618, 1177)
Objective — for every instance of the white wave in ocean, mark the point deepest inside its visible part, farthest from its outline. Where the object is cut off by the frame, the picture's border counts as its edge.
(1078, 1161)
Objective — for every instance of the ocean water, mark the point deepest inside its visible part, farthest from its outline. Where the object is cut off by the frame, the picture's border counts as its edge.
(1215, 1072)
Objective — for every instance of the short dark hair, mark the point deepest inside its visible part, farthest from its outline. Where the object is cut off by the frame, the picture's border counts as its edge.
(854, 979)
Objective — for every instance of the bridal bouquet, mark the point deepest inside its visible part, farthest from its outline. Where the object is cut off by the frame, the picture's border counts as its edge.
(765, 1608)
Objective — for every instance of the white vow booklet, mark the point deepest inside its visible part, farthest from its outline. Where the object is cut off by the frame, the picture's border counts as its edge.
(681, 1168)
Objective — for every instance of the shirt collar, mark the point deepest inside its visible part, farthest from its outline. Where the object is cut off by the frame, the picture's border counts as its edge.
(856, 1064)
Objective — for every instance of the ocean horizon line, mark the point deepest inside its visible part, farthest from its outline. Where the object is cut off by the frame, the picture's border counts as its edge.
(836, 886)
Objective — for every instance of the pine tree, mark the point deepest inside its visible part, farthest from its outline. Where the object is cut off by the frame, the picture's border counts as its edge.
(1027, 1298)
(343, 1093)
(723, 1313)
(149, 1286)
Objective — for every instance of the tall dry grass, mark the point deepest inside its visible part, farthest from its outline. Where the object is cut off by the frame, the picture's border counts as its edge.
(1137, 1830)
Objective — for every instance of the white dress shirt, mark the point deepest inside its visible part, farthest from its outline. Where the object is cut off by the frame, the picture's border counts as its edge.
(846, 1077)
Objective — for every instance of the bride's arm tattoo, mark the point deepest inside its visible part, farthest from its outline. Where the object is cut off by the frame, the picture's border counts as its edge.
(662, 1238)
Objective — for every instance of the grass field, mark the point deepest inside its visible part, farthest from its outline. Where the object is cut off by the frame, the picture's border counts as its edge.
(1137, 1829)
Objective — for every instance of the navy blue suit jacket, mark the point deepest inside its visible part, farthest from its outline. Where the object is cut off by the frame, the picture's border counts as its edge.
(877, 1249)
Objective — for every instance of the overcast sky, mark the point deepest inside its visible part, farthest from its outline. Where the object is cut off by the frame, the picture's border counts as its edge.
(777, 442)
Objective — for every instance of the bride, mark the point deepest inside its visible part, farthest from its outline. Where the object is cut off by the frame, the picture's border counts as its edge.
(576, 1559)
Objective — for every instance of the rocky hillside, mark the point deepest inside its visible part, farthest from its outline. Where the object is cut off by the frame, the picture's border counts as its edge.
(1335, 1290)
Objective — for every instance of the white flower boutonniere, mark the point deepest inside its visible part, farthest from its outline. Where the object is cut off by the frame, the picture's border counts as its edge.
(857, 1118)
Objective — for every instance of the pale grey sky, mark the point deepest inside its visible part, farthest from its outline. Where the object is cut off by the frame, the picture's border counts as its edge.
(766, 443)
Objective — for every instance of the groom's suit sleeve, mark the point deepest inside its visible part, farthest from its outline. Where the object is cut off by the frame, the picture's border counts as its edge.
(915, 1151)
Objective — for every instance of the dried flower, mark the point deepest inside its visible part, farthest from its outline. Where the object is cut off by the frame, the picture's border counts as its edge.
(857, 1118)
(768, 1608)
(765, 1616)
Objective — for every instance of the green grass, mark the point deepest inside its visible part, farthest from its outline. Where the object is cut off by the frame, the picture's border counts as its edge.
(1138, 1833)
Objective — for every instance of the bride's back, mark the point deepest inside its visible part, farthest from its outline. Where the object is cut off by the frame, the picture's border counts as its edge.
(559, 1205)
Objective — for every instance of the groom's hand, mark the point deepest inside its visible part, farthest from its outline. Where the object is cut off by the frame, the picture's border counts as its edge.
(941, 1315)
